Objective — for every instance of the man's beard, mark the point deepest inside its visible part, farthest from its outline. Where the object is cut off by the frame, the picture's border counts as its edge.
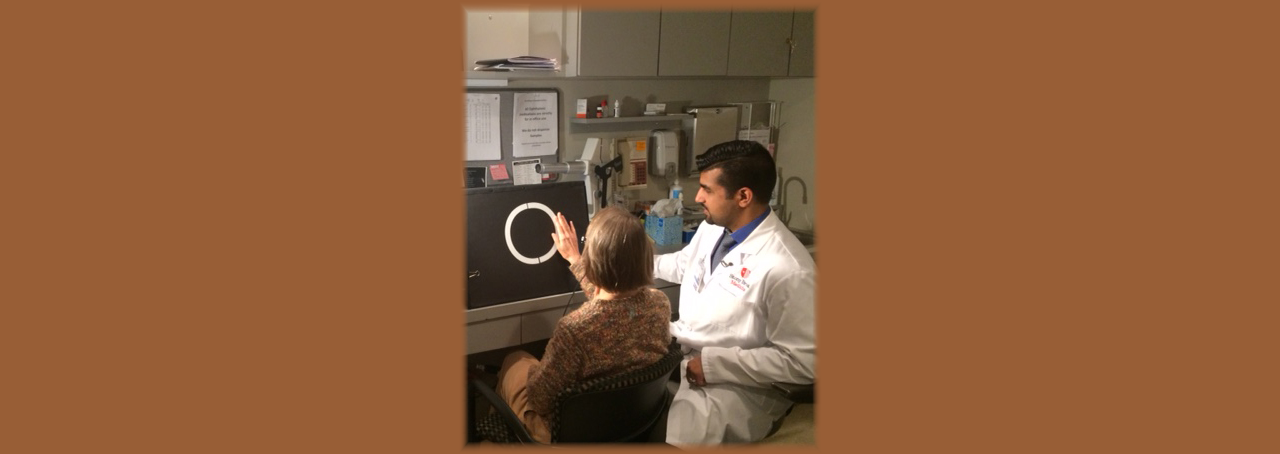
(710, 220)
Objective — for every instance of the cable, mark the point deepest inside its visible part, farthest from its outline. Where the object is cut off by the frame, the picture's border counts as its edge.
(566, 303)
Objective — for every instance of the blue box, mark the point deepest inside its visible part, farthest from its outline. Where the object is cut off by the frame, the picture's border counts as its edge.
(664, 231)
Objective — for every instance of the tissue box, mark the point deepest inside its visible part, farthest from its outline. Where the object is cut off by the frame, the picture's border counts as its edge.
(664, 231)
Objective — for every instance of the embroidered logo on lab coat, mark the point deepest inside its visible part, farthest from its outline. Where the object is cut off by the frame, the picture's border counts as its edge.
(737, 284)
(745, 272)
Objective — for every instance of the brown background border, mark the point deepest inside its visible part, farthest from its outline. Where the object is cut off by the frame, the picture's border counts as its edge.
(1047, 228)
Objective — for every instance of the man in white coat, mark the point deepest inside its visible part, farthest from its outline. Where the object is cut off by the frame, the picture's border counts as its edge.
(746, 304)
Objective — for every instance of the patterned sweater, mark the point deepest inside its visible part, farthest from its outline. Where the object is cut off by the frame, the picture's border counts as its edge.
(599, 339)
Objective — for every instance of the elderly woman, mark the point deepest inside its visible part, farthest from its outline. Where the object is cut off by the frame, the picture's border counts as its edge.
(624, 325)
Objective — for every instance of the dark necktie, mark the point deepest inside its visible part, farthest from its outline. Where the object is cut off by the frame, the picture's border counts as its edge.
(726, 242)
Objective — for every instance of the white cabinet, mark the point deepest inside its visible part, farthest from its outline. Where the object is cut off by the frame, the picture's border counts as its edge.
(694, 43)
(772, 43)
(759, 43)
(741, 42)
(493, 334)
(495, 34)
(532, 320)
(597, 42)
(609, 43)
(618, 43)
(802, 39)
(736, 43)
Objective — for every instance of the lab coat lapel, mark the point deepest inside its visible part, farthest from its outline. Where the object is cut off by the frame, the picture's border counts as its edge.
(742, 254)
(705, 250)
(708, 246)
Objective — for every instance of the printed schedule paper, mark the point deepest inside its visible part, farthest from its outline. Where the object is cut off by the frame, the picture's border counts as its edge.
(484, 136)
(533, 125)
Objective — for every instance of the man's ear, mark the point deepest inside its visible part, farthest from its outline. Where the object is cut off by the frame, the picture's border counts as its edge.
(745, 197)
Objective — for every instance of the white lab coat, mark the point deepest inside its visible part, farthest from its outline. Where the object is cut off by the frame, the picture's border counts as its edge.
(753, 324)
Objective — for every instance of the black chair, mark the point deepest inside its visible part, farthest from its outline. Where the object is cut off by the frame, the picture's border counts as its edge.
(800, 394)
(794, 392)
(616, 409)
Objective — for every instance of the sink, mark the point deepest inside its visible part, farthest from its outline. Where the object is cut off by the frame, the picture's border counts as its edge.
(806, 238)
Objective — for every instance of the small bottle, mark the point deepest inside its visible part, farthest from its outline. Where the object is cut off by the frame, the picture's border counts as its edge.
(600, 111)
(617, 108)
(676, 191)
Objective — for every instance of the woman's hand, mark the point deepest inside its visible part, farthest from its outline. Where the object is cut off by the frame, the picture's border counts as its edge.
(566, 239)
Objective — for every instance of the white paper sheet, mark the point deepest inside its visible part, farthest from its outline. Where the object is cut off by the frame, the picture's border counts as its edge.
(534, 131)
(758, 135)
(524, 171)
(484, 136)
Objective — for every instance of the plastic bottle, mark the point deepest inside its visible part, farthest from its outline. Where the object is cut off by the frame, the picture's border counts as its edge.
(617, 108)
(677, 192)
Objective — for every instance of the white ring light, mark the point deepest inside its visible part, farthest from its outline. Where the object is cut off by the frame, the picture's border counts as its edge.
(512, 246)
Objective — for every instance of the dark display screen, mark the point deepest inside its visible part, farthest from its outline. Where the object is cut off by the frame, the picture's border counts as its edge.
(510, 252)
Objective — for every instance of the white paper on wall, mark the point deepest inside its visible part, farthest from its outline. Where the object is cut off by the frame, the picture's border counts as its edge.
(533, 125)
(525, 172)
(484, 136)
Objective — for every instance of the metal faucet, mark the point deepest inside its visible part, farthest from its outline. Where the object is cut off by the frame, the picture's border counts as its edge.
(804, 198)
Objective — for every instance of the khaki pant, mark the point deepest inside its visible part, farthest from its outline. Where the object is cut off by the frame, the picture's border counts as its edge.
(513, 379)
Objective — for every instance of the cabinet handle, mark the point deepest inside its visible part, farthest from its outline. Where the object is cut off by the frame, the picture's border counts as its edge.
(792, 43)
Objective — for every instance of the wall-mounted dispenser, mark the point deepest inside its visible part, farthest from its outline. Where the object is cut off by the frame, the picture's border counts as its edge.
(664, 153)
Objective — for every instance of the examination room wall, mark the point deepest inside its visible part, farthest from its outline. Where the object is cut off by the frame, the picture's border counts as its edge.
(795, 147)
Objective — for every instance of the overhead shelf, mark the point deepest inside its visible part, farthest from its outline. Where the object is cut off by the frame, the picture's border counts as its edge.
(668, 118)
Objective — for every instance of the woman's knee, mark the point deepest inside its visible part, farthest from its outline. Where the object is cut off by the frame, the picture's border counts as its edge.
(512, 359)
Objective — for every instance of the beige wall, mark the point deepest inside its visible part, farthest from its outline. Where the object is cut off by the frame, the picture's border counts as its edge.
(634, 93)
(796, 152)
(796, 148)
(506, 32)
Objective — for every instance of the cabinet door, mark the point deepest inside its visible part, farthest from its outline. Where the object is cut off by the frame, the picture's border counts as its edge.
(536, 326)
(694, 44)
(493, 334)
(618, 43)
(802, 38)
(495, 34)
(758, 43)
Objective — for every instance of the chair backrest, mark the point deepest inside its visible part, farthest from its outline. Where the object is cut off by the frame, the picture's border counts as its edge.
(615, 409)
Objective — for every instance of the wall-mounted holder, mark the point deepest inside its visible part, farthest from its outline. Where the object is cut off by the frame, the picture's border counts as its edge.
(639, 122)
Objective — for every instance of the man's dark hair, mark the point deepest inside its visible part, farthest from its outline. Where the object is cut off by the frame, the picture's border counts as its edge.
(742, 164)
